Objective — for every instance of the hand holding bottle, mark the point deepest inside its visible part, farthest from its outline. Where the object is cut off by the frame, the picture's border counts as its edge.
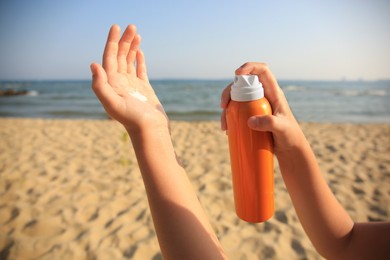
(282, 123)
(328, 225)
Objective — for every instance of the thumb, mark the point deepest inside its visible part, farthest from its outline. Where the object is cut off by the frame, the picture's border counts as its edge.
(99, 76)
(102, 89)
(268, 123)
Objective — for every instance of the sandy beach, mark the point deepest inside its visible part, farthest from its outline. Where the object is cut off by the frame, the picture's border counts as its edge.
(71, 189)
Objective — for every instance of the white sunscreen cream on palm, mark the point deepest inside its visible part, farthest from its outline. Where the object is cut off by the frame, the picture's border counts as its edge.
(135, 93)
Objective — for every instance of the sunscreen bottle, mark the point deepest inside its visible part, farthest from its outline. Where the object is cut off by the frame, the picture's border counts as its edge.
(251, 152)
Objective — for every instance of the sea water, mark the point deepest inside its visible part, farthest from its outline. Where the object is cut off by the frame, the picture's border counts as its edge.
(311, 101)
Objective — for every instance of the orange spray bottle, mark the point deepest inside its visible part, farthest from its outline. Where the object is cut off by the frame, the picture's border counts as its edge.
(251, 152)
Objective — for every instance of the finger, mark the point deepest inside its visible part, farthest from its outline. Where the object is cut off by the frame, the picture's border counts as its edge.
(110, 63)
(102, 89)
(268, 123)
(225, 97)
(223, 120)
(141, 66)
(270, 85)
(132, 55)
(124, 47)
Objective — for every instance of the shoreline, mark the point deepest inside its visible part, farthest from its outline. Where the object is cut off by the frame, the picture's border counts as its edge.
(216, 120)
(355, 102)
(71, 188)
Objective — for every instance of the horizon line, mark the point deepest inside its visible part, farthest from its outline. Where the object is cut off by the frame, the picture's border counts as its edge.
(199, 79)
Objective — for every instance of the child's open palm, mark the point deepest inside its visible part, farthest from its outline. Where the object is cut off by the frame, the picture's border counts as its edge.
(122, 85)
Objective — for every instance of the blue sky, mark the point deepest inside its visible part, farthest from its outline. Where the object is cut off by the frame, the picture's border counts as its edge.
(323, 40)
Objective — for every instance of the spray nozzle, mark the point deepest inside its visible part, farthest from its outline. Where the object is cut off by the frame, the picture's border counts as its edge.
(246, 88)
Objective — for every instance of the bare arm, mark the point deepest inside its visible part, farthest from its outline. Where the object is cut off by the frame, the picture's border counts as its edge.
(182, 228)
(323, 218)
(325, 221)
(329, 227)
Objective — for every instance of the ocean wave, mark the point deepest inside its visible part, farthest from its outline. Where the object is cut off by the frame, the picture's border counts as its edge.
(32, 93)
(358, 93)
(293, 88)
(379, 92)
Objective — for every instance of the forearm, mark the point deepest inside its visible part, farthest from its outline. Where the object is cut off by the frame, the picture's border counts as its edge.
(325, 221)
(182, 228)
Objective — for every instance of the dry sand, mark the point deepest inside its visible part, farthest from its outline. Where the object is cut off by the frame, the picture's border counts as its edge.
(71, 189)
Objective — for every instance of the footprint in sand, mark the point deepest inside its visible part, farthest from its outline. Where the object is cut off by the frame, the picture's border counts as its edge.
(281, 217)
(44, 227)
(358, 191)
(298, 248)
(7, 214)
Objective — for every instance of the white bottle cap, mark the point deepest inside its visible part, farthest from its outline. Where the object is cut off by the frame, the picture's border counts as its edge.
(246, 88)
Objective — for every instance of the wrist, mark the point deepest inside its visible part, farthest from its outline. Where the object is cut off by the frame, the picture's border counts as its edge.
(298, 157)
(292, 146)
(150, 132)
(150, 127)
